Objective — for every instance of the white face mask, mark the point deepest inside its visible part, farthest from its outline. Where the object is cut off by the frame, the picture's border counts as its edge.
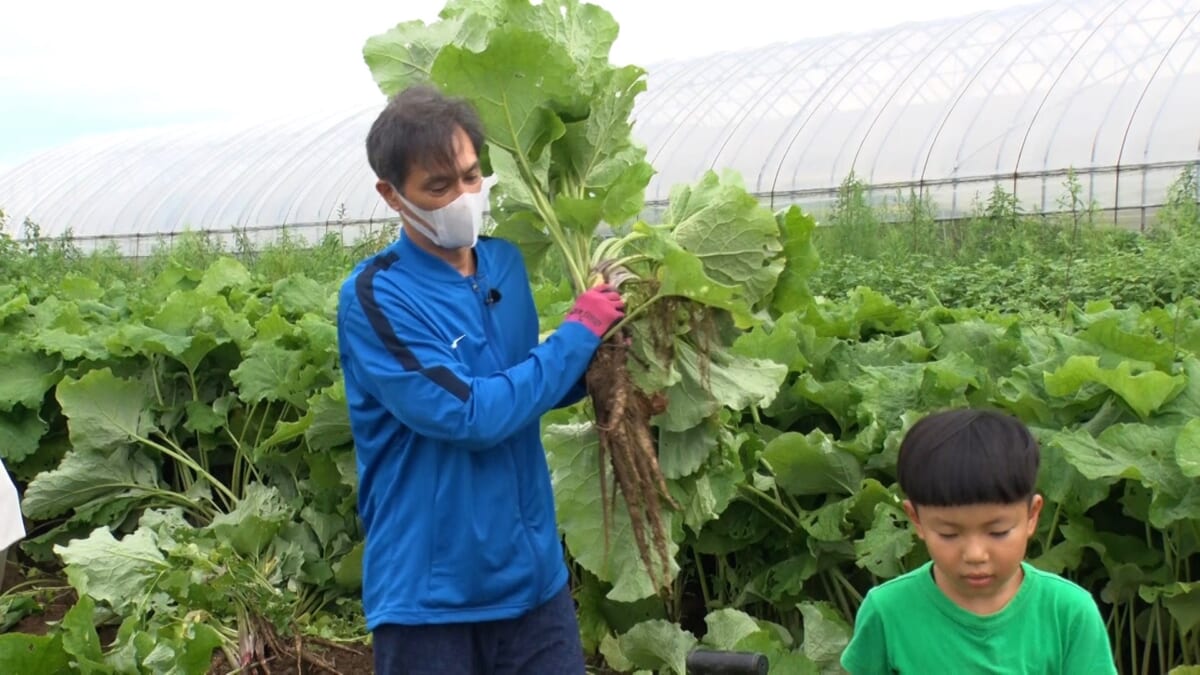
(455, 225)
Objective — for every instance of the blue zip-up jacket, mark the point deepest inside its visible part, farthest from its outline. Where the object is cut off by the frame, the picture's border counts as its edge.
(446, 383)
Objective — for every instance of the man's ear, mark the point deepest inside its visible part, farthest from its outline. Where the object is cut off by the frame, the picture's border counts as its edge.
(389, 194)
(911, 510)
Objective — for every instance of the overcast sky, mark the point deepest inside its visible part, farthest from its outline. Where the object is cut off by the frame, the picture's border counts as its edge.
(79, 67)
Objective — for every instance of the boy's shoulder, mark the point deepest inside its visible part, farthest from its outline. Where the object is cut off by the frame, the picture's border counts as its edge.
(1050, 589)
(904, 588)
(1058, 589)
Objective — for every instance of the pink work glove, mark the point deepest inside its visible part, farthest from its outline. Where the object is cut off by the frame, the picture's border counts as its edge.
(598, 309)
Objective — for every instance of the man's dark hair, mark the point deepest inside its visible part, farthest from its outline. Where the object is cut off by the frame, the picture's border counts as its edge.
(964, 457)
(418, 126)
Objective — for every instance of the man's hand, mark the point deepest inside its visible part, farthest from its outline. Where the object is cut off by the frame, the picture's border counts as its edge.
(598, 309)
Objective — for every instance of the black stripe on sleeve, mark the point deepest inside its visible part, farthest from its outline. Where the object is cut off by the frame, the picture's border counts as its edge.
(365, 289)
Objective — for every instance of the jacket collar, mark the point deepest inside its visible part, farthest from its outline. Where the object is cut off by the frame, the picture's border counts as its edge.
(417, 260)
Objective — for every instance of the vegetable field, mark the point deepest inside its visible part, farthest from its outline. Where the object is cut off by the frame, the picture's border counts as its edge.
(178, 425)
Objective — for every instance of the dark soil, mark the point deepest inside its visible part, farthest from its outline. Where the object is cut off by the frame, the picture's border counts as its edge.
(310, 656)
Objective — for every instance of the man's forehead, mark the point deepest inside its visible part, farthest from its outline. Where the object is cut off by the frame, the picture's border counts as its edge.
(438, 169)
(450, 162)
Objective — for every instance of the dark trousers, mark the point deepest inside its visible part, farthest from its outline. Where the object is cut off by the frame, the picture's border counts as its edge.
(544, 641)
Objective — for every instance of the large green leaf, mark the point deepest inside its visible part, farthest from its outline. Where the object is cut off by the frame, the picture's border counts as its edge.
(1109, 334)
(598, 155)
(1145, 392)
(25, 653)
(811, 465)
(587, 31)
(197, 644)
(137, 338)
(681, 273)
(829, 522)
(837, 397)
(782, 342)
(120, 573)
(517, 83)
(86, 477)
(104, 411)
(270, 373)
(997, 347)
(63, 329)
(727, 627)
(792, 292)
(883, 548)
(298, 295)
(1186, 406)
(88, 344)
(705, 495)
(1061, 482)
(258, 517)
(681, 453)
(1182, 600)
(1187, 449)
(725, 380)
(27, 377)
(826, 633)
(1098, 460)
(80, 639)
(223, 274)
(525, 230)
(403, 55)
(1143, 454)
(735, 237)
(573, 459)
(733, 630)
(330, 428)
(659, 645)
(20, 431)
(864, 311)
(12, 304)
(206, 319)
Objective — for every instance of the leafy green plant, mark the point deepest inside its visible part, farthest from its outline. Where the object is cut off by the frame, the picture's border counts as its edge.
(854, 223)
(1181, 212)
(209, 394)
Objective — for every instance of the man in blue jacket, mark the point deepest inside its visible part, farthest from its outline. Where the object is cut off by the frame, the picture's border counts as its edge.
(463, 569)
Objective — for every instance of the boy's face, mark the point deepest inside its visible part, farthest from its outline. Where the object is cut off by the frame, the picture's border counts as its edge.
(977, 550)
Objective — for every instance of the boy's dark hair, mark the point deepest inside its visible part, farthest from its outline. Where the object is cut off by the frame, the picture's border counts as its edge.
(965, 457)
(417, 125)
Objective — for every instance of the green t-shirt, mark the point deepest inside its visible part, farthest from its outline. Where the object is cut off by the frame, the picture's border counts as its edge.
(907, 626)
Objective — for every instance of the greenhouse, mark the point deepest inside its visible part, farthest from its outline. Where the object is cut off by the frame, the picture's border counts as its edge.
(946, 110)
(875, 352)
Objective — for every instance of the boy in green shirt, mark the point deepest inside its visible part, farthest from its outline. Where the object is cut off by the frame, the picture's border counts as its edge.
(969, 477)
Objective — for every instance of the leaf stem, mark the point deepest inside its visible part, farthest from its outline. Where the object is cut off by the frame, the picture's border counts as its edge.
(704, 592)
(1053, 527)
(632, 314)
(190, 463)
(840, 577)
(751, 490)
(542, 204)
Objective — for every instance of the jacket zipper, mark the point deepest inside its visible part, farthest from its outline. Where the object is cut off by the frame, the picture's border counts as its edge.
(499, 362)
